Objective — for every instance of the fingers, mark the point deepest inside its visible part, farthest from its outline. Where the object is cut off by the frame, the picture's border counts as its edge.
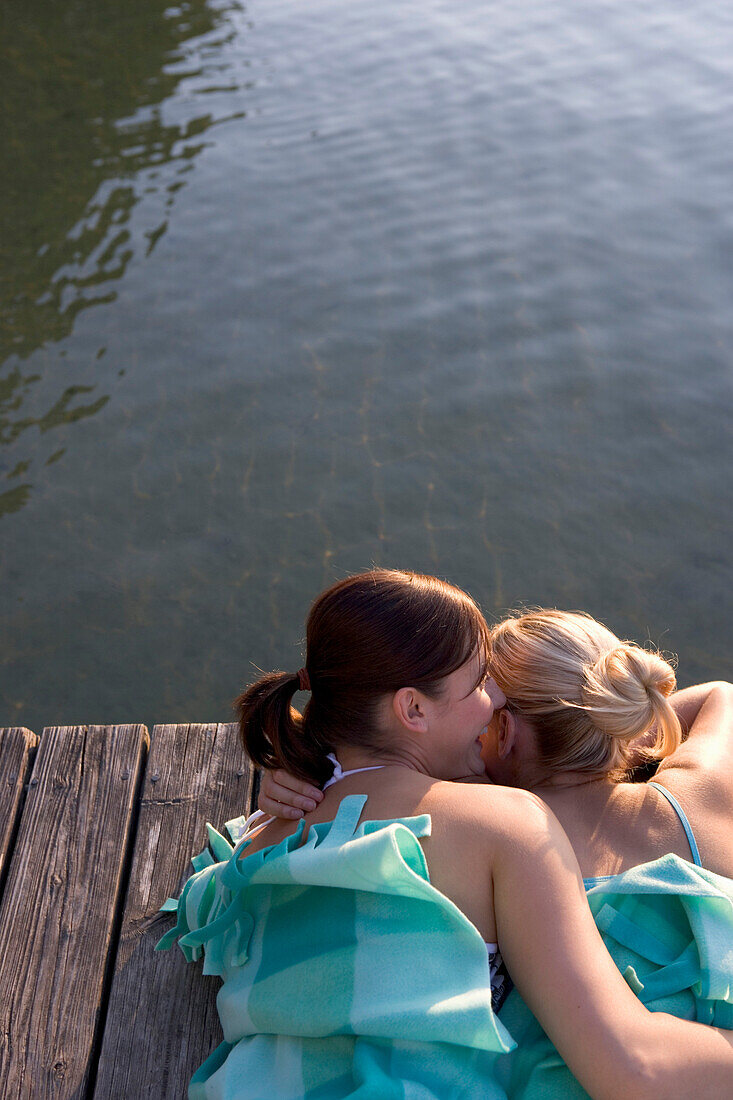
(297, 786)
(284, 796)
(287, 797)
(273, 808)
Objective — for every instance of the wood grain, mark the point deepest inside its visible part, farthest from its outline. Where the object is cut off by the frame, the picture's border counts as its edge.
(162, 1022)
(16, 747)
(58, 910)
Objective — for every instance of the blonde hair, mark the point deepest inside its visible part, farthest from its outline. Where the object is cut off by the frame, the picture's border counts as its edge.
(586, 693)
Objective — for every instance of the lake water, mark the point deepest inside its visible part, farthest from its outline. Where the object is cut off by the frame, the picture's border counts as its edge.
(291, 289)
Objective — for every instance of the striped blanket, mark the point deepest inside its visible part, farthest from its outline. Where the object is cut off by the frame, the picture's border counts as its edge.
(669, 928)
(345, 973)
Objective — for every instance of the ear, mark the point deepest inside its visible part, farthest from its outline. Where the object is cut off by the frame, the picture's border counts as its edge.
(507, 733)
(409, 709)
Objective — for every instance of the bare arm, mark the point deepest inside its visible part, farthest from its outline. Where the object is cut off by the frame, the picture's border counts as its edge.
(706, 713)
(688, 702)
(551, 946)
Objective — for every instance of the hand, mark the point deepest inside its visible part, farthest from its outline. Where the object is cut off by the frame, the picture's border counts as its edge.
(281, 795)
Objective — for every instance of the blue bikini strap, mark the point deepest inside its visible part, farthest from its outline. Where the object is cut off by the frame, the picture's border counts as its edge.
(683, 820)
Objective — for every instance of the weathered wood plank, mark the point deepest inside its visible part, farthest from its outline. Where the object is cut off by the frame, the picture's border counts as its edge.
(162, 1022)
(16, 746)
(58, 910)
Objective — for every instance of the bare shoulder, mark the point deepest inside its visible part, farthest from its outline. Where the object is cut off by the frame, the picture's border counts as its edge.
(502, 814)
(481, 799)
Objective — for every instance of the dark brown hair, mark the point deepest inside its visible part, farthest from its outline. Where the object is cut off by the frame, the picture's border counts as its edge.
(367, 636)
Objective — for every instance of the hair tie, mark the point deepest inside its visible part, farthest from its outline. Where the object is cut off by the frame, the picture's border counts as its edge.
(304, 681)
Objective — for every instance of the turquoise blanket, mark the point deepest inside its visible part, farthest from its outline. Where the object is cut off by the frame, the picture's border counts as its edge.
(345, 973)
(669, 928)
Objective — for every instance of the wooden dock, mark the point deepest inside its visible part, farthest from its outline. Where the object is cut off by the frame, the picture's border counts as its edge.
(97, 827)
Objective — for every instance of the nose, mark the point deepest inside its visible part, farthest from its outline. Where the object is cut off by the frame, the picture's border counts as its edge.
(498, 698)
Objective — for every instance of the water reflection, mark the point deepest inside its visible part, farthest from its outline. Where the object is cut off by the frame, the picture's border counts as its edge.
(89, 134)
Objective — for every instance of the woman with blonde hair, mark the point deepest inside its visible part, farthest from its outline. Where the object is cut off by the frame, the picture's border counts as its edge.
(354, 949)
(583, 711)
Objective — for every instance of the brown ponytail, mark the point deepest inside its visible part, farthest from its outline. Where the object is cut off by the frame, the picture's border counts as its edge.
(367, 636)
(274, 729)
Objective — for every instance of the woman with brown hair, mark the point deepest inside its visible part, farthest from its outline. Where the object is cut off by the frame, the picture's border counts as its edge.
(353, 948)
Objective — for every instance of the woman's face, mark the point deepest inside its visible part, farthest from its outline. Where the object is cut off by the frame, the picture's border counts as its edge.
(459, 720)
(516, 764)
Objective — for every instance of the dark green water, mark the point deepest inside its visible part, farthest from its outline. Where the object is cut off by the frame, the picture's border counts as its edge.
(288, 290)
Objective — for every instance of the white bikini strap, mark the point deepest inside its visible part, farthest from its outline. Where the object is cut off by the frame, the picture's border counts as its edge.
(339, 773)
(257, 819)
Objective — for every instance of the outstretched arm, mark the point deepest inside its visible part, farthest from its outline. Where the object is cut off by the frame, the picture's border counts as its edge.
(282, 795)
(553, 950)
(706, 714)
(687, 702)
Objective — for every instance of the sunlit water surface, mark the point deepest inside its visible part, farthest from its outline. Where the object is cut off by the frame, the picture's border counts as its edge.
(291, 289)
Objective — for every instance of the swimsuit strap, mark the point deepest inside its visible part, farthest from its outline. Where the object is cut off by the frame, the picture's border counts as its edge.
(258, 818)
(683, 820)
(255, 821)
(339, 773)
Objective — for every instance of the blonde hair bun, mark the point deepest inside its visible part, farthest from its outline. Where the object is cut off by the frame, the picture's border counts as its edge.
(586, 693)
(625, 694)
